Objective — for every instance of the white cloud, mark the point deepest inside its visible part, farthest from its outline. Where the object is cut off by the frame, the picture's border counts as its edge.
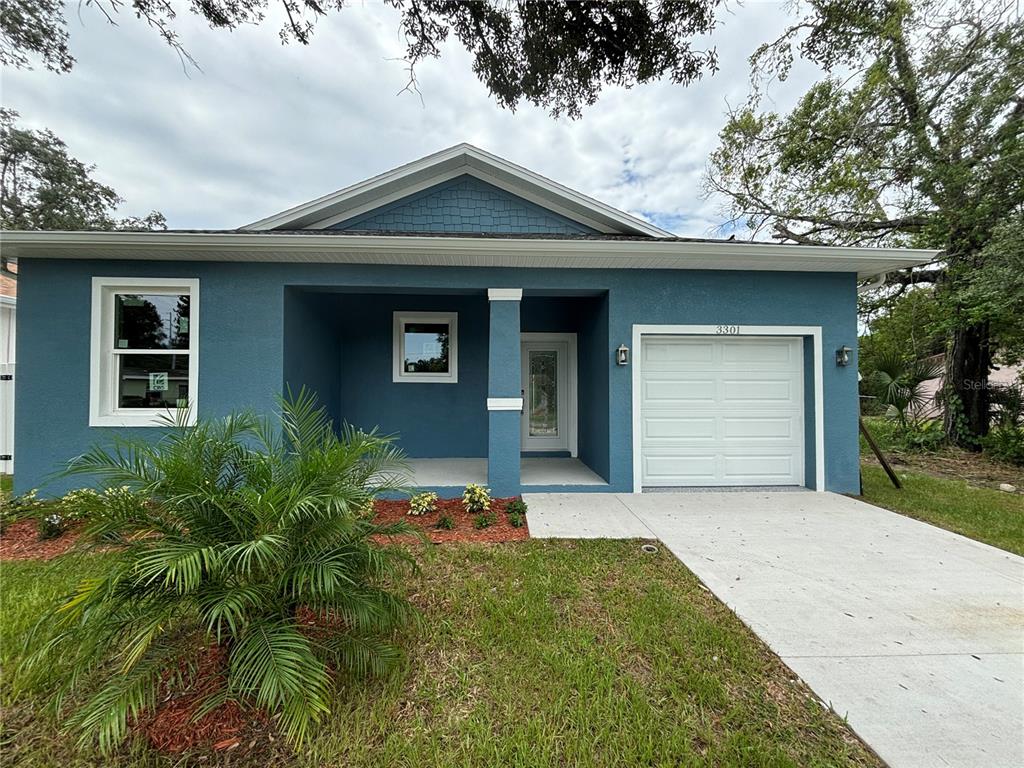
(265, 126)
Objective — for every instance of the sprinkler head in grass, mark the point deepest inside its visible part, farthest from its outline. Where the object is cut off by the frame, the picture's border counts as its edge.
(649, 549)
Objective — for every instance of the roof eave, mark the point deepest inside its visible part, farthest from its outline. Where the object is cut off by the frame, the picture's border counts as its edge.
(461, 251)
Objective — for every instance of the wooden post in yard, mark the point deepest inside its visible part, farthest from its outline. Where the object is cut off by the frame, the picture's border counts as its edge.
(878, 453)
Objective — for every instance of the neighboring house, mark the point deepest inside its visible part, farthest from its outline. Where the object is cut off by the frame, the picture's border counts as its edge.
(999, 376)
(507, 329)
(8, 328)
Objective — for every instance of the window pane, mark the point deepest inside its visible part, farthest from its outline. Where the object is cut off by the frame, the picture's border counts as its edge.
(543, 394)
(152, 381)
(151, 321)
(426, 347)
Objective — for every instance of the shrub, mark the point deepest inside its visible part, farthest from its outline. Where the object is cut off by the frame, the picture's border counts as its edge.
(516, 519)
(228, 532)
(476, 498)
(423, 503)
(921, 435)
(14, 508)
(484, 520)
(52, 525)
(1006, 444)
(516, 506)
(445, 522)
(75, 506)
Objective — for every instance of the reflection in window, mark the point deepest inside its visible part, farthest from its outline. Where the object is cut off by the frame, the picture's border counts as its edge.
(152, 381)
(151, 321)
(543, 380)
(426, 347)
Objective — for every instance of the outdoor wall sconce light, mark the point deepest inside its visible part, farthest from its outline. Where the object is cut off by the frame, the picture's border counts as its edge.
(843, 356)
(622, 355)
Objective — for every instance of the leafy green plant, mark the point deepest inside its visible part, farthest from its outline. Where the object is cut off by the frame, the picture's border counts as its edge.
(484, 520)
(423, 503)
(1005, 443)
(226, 532)
(74, 505)
(1008, 400)
(899, 382)
(445, 522)
(476, 498)
(52, 525)
(15, 508)
(516, 519)
(923, 435)
(516, 505)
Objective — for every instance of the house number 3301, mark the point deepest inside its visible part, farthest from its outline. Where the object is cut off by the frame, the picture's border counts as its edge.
(727, 330)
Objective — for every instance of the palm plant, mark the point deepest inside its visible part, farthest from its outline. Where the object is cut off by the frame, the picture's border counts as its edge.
(899, 383)
(227, 533)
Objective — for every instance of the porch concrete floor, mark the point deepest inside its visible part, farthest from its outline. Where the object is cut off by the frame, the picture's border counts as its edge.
(534, 471)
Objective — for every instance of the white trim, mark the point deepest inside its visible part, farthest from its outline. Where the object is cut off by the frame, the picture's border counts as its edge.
(400, 376)
(8, 301)
(814, 331)
(504, 294)
(460, 251)
(504, 403)
(573, 375)
(102, 376)
(440, 166)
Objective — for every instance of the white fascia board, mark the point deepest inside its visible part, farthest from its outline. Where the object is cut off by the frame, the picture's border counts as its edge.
(461, 251)
(440, 166)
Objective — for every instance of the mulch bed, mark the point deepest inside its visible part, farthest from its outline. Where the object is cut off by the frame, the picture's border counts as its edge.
(388, 511)
(172, 728)
(20, 541)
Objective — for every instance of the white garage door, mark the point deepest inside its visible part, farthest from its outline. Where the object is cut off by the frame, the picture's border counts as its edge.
(721, 411)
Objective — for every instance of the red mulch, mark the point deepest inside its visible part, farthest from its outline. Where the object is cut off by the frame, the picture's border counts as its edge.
(171, 729)
(20, 541)
(391, 511)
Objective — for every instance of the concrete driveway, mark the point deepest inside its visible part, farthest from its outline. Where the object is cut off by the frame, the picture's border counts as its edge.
(914, 634)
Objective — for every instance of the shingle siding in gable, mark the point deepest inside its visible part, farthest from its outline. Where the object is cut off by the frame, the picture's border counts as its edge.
(464, 204)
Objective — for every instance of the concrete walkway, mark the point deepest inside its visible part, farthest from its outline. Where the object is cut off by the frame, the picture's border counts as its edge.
(914, 634)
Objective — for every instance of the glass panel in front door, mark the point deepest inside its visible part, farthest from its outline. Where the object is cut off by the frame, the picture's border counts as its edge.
(543, 402)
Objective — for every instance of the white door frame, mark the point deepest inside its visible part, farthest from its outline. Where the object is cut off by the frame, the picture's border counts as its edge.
(572, 422)
(728, 331)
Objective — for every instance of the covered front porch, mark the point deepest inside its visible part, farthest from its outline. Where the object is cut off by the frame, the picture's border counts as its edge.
(486, 386)
(535, 473)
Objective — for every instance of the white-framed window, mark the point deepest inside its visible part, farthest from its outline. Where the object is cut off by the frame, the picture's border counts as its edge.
(426, 347)
(144, 350)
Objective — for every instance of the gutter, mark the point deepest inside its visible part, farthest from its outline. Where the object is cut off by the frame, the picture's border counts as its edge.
(875, 284)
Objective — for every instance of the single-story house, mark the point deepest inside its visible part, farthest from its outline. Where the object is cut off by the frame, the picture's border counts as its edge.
(505, 328)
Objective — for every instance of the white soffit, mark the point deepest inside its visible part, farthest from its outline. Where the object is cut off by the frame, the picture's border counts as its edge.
(459, 251)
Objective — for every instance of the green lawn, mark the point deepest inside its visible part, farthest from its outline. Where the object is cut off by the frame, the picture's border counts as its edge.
(988, 515)
(535, 654)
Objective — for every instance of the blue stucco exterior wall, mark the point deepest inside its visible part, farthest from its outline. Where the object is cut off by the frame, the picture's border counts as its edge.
(249, 328)
(464, 204)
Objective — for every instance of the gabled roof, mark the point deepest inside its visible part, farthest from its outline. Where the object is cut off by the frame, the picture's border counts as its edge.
(447, 164)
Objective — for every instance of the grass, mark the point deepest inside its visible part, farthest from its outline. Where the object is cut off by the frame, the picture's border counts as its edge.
(988, 515)
(534, 654)
(6, 484)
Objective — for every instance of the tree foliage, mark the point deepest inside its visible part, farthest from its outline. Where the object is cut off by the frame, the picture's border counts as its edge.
(556, 54)
(913, 137)
(229, 534)
(911, 328)
(43, 187)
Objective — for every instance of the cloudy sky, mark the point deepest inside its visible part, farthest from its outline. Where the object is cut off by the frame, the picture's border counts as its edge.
(263, 126)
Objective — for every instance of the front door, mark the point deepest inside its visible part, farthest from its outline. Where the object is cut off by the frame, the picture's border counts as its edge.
(547, 398)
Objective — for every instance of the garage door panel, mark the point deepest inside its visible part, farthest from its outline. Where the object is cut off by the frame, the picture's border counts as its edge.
(760, 428)
(765, 468)
(758, 352)
(697, 470)
(677, 390)
(670, 354)
(690, 428)
(722, 411)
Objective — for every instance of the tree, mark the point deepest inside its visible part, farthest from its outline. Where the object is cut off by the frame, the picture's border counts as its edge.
(555, 54)
(910, 327)
(43, 187)
(913, 137)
